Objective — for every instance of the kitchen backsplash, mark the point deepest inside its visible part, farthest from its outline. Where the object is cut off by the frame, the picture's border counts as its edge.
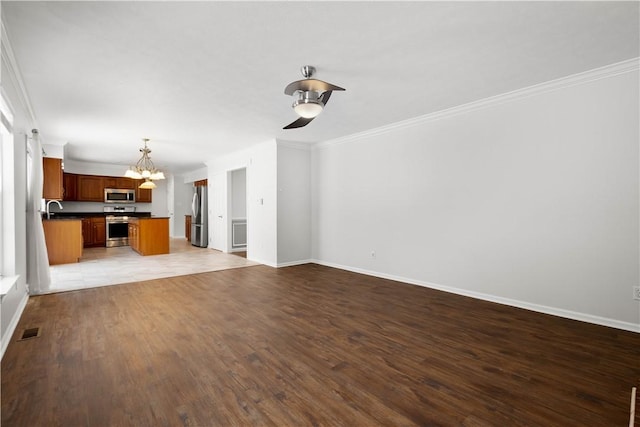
(94, 207)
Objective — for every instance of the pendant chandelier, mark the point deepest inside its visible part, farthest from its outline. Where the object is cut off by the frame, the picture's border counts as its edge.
(145, 169)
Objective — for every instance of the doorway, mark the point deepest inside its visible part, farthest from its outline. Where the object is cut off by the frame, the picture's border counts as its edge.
(238, 213)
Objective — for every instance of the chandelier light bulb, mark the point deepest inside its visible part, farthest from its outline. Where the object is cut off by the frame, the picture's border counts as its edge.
(148, 184)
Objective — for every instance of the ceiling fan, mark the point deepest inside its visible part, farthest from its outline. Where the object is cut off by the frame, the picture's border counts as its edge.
(312, 95)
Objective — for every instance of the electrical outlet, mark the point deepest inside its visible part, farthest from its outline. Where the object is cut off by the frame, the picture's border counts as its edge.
(636, 292)
(373, 254)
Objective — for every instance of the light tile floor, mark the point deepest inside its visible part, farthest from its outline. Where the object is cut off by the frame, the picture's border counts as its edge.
(111, 266)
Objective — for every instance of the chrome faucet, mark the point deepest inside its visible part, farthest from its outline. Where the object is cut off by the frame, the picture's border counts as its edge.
(49, 203)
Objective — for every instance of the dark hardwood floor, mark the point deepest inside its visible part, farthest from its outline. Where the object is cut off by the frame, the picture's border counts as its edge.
(308, 345)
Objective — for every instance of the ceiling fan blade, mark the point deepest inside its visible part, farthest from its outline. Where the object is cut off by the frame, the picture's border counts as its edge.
(310, 84)
(302, 121)
(325, 97)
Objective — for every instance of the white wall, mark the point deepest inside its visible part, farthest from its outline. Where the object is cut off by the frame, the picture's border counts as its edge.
(55, 151)
(182, 196)
(278, 201)
(196, 175)
(92, 168)
(159, 201)
(294, 204)
(532, 201)
(262, 204)
(260, 161)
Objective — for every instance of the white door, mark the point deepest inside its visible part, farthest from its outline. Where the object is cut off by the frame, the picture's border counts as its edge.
(171, 205)
(218, 209)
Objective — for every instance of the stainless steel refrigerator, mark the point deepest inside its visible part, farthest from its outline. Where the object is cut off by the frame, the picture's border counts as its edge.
(199, 233)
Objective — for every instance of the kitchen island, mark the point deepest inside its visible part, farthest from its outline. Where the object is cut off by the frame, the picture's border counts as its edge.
(149, 236)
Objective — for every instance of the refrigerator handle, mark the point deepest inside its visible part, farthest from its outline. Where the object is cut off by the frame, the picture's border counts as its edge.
(195, 206)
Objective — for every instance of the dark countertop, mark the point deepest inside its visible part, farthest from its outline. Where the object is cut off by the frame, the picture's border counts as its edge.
(154, 217)
(80, 215)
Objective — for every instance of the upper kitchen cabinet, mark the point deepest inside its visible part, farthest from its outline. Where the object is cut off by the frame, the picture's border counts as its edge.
(119, 182)
(86, 188)
(70, 187)
(52, 178)
(143, 195)
(90, 188)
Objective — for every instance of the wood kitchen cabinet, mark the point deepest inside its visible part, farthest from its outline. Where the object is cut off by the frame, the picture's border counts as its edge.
(149, 236)
(99, 231)
(52, 179)
(119, 182)
(90, 188)
(143, 195)
(134, 240)
(94, 231)
(63, 238)
(187, 227)
(69, 187)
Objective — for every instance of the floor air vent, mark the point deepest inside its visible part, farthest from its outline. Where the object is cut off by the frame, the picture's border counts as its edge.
(30, 333)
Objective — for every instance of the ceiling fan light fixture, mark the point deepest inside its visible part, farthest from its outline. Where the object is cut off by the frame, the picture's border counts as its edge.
(312, 95)
(308, 105)
(307, 109)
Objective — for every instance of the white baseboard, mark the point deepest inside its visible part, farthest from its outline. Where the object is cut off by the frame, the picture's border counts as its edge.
(284, 264)
(263, 262)
(568, 314)
(13, 324)
(292, 263)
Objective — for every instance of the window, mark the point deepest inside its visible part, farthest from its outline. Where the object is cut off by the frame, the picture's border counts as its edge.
(7, 203)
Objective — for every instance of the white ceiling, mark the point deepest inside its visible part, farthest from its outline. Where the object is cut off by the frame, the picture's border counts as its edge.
(202, 79)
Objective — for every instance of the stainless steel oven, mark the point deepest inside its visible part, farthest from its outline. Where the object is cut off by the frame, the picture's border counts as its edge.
(117, 231)
(118, 225)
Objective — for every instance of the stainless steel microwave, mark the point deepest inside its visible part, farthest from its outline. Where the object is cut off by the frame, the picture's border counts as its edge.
(117, 195)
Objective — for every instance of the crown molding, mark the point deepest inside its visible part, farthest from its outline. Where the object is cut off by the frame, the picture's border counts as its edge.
(607, 71)
(9, 58)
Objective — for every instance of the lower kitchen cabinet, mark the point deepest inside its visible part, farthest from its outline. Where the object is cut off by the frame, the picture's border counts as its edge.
(134, 241)
(94, 231)
(64, 240)
(149, 236)
(187, 227)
